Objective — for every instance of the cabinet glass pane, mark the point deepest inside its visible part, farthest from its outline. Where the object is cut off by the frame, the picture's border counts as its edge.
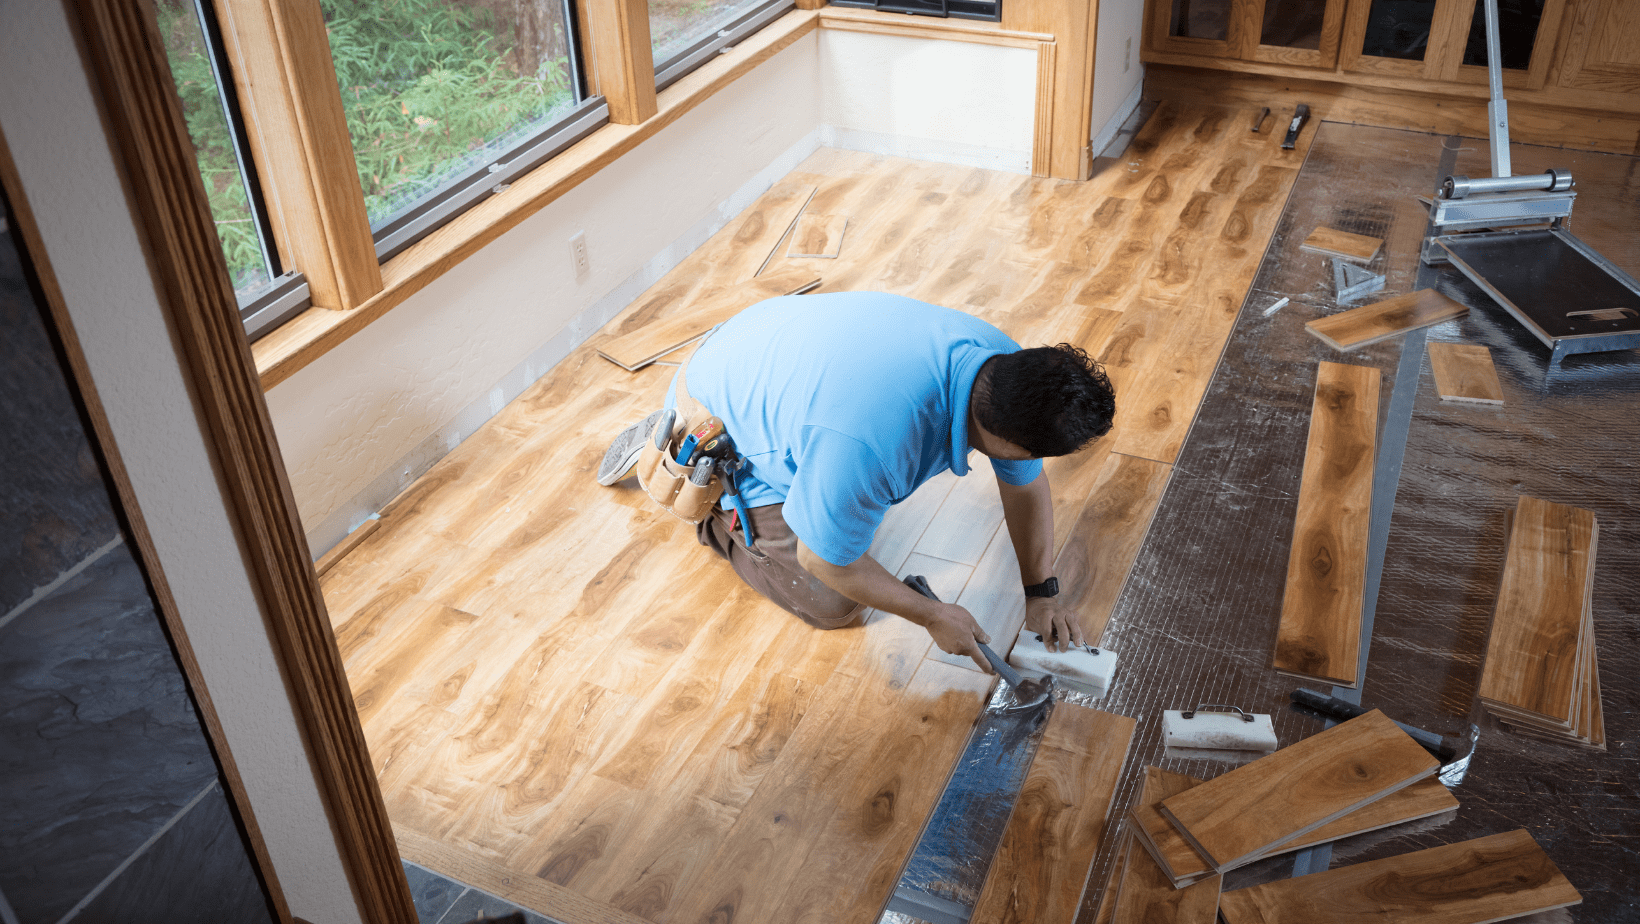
(1293, 23)
(1201, 19)
(1517, 31)
(1398, 29)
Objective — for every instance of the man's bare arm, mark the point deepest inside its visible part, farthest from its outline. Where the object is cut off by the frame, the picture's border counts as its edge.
(1028, 510)
(953, 628)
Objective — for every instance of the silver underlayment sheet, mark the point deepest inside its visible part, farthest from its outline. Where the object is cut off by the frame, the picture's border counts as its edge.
(1196, 622)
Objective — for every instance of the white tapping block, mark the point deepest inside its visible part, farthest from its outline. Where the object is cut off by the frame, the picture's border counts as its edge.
(1222, 731)
(1086, 666)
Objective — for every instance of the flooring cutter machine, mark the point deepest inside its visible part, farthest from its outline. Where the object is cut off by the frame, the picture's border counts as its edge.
(1507, 234)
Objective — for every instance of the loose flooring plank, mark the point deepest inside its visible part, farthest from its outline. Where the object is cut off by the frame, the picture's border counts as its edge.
(818, 236)
(645, 345)
(1464, 372)
(1473, 882)
(1331, 241)
(1101, 546)
(1382, 320)
(1319, 635)
(1273, 800)
(1047, 850)
(1535, 644)
(1145, 893)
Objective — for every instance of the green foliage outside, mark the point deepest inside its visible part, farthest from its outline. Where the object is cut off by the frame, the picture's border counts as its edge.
(430, 89)
(208, 127)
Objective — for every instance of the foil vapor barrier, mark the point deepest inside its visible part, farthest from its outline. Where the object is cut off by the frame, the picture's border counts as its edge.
(943, 879)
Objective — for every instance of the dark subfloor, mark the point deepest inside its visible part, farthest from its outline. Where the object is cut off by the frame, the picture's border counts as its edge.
(1196, 622)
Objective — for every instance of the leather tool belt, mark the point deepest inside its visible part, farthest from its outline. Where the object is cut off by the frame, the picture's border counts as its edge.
(662, 476)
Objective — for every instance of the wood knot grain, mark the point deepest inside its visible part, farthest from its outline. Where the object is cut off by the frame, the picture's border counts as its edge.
(1322, 561)
(878, 815)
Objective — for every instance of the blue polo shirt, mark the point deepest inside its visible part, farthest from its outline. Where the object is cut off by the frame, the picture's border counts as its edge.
(844, 403)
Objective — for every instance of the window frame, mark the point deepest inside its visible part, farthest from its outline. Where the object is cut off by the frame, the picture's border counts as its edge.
(709, 46)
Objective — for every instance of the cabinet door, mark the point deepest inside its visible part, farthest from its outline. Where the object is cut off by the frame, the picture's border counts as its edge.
(1527, 32)
(1603, 51)
(1300, 32)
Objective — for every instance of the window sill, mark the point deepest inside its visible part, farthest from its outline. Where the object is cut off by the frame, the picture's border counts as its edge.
(316, 331)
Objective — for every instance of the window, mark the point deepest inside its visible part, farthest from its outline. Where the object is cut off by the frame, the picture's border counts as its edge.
(439, 92)
(684, 34)
(210, 108)
(989, 10)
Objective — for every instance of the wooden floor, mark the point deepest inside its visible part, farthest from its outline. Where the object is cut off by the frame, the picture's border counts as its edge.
(574, 706)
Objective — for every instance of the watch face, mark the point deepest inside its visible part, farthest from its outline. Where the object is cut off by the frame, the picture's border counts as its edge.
(1048, 588)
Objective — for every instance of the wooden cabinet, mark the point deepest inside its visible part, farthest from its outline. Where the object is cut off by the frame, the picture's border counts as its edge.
(1445, 40)
(1565, 62)
(1603, 50)
(1302, 33)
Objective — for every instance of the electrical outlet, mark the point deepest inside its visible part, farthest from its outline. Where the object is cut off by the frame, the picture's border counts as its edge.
(578, 253)
(1127, 55)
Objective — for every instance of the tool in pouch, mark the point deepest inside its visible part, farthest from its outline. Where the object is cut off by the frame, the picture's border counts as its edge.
(687, 469)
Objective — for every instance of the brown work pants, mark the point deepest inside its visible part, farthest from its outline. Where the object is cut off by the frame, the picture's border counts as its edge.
(770, 567)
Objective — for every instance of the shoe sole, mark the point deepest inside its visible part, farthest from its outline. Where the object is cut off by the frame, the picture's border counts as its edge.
(623, 454)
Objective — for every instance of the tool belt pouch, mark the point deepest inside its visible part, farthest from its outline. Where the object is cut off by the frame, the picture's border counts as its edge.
(668, 482)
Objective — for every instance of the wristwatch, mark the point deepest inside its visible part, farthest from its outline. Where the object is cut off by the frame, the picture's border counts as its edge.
(1048, 588)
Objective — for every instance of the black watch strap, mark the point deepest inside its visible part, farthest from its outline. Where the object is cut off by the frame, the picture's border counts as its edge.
(1048, 588)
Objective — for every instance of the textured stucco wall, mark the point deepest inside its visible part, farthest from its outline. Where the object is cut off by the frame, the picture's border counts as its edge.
(957, 102)
(1117, 73)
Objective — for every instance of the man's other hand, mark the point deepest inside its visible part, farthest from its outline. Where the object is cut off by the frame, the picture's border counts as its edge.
(957, 632)
(1055, 622)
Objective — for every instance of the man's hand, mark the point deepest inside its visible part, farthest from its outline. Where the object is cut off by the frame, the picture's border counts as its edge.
(1056, 623)
(957, 632)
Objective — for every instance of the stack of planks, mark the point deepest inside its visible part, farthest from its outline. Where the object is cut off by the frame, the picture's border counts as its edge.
(1319, 636)
(1183, 835)
(1540, 676)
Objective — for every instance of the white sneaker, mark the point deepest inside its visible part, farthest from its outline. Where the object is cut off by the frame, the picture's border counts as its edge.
(622, 454)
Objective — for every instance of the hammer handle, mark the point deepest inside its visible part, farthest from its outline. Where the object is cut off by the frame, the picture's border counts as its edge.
(919, 584)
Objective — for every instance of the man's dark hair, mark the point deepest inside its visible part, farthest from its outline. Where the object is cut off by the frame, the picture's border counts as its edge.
(1051, 401)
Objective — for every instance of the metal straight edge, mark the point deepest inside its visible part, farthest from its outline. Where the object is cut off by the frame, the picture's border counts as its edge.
(1386, 480)
(943, 877)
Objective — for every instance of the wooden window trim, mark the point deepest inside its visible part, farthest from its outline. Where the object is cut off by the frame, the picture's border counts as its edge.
(167, 199)
(297, 127)
(290, 348)
(619, 43)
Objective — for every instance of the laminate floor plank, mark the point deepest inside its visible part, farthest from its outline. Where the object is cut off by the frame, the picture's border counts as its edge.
(1319, 634)
(1099, 551)
(1382, 320)
(1145, 894)
(1358, 247)
(704, 310)
(1473, 882)
(1535, 647)
(1275, 799)
(1058, 822)
(559, 686)
(1464, 372)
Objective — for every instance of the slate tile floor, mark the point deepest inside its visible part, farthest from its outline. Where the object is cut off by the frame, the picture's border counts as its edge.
(442, 900)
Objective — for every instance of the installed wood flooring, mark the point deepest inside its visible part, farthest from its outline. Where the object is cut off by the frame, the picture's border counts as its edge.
(573, 705)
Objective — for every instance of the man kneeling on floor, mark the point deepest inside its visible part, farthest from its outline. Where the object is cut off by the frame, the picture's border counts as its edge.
(838, 406)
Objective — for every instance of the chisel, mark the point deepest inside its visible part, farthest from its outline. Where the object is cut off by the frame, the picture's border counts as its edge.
(1300, 116)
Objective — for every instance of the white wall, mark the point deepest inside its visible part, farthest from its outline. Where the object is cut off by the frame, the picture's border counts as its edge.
(955, 102)
(68, 173)
(1117, 73)
(367, 418)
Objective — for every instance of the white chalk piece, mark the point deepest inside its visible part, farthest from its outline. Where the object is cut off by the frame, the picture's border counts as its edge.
(1282, 303)
(1087, 669)
(1219, 731)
